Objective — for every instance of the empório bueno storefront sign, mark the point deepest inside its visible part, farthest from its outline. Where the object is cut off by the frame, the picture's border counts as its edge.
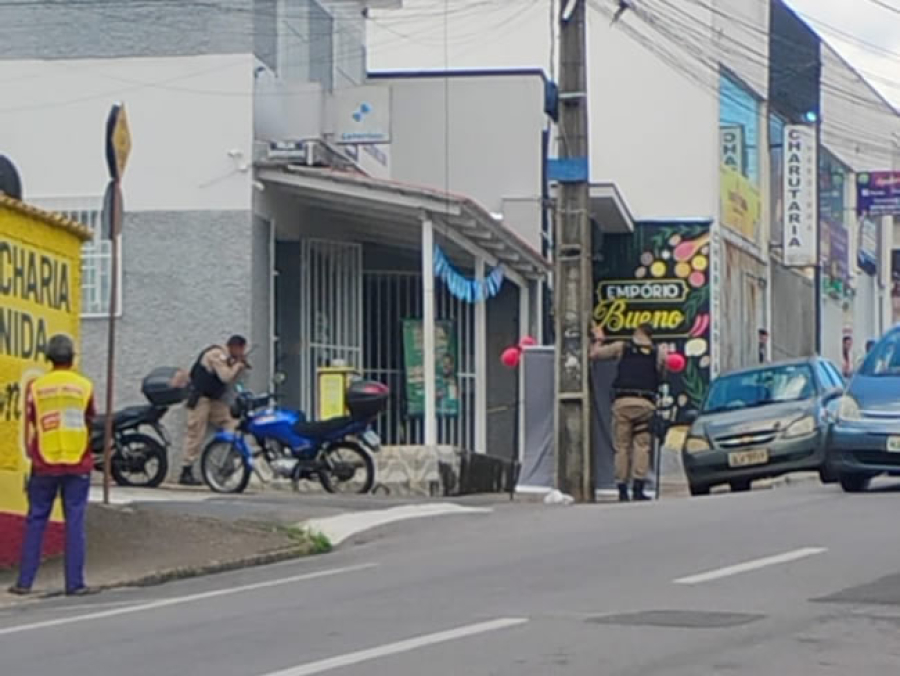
(660, 274)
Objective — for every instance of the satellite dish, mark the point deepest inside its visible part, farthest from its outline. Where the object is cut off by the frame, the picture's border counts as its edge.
(10, 183)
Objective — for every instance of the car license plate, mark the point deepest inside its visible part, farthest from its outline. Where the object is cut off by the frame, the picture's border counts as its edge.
(372, 440)
(893, 444)
(748, 458)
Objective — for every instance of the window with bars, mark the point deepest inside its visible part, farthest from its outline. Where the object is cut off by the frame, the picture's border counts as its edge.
(96, 255)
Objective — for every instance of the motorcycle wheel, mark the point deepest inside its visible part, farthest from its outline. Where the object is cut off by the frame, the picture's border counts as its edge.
(343, 464)
(139, 461)
(223, 468)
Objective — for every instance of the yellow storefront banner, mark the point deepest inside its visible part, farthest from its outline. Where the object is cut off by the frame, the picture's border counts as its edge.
(40, 295)
(740, 203)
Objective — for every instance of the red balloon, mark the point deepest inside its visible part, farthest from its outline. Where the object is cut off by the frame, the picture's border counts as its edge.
(676, 362)
(511, 356)
(527, 341)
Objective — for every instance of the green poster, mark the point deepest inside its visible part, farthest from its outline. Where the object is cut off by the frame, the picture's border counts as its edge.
(446, 368)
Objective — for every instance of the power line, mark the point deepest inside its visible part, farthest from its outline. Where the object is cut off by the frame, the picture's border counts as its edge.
(876, 144)
(884, 5)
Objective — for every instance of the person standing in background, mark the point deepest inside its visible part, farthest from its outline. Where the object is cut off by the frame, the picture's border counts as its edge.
(59, 407)
(847, 364)
(763, 346)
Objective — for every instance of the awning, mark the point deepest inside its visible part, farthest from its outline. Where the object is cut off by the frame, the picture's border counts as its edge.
(609, 211)
(376, 205)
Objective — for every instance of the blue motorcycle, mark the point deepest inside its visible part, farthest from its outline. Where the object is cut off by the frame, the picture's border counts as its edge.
(336, 452)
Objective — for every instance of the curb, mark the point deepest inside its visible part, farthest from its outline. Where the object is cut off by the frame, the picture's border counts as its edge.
(184, 573)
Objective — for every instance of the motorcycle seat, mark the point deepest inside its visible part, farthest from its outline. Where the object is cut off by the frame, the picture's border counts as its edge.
(130, 416)
(322, 429)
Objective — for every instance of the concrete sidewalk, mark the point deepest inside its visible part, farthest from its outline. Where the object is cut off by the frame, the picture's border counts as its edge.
(140, 545)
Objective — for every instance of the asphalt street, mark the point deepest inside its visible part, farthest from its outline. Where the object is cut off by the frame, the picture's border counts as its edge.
(798, 581)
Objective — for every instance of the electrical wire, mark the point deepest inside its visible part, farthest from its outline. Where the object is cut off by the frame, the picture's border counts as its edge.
(168, 84)
(699, 51)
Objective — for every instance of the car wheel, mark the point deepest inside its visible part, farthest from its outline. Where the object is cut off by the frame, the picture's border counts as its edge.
(741, 486)
(855, 483)
(699, 489)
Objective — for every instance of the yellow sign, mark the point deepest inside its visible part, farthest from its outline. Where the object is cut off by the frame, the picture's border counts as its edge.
(40, 295)
(118, 141)
(332, 390)
(740, 203)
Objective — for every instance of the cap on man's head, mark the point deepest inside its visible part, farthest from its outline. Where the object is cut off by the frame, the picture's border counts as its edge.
(763, 332)
(60, 350)
(237, 341)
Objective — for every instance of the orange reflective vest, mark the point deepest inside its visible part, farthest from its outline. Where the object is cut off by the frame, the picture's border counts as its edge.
(60, 400)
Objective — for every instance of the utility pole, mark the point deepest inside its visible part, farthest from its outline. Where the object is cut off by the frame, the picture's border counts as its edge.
(572, 256)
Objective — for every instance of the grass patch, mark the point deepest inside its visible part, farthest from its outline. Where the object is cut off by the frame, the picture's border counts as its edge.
(317, 542)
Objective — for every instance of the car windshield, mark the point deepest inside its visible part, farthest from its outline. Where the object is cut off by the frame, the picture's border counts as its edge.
(772, 385)
(884, 359)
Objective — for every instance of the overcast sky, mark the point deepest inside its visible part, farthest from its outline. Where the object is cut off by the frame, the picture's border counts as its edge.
(509, 33)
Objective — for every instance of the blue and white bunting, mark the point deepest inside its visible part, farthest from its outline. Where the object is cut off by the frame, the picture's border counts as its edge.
(468, 290)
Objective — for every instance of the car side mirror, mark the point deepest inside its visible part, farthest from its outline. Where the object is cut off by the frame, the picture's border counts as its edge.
(833, 395)
(832, 407)
(690, 416)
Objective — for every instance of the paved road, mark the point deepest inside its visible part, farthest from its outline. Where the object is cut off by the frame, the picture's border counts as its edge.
(794, 581)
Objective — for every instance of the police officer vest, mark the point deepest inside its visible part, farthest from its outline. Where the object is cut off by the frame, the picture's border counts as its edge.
(207, 383)
(61, 399)
(638, 374)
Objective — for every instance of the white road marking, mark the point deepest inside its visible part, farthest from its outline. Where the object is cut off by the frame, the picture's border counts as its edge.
(179, 600)
(756, 564)
(122, 496)
(343, 526)
(399, 647)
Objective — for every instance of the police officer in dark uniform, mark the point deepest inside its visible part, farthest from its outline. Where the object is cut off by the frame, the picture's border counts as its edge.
(641, 368)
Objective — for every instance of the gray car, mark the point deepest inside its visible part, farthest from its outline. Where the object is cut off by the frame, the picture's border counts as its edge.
(762, 422)
(865, 438)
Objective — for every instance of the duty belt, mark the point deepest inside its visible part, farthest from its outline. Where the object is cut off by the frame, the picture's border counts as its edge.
(639, 394)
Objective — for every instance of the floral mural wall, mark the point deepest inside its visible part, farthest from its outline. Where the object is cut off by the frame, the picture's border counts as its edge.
(660, 274)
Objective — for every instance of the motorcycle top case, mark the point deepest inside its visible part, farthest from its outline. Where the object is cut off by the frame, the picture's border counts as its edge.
(366, 399)
(166, 386)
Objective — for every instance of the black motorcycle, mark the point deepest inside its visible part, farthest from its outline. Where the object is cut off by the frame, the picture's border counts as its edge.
(140, 458)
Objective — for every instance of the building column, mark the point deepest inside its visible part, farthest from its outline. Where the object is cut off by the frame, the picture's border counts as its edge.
(428, 349)
(481, 370)
(524, 330)
(539, 312)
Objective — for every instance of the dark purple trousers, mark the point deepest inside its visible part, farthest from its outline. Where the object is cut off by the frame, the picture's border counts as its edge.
(42, 492)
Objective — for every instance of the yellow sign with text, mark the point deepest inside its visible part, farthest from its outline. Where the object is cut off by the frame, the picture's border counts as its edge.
(40, 295)
(740, 203)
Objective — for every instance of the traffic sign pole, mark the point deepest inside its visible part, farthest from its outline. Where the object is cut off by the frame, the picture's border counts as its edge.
(118, 148)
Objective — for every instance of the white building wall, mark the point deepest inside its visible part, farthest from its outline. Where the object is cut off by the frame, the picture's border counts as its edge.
(858, 125)
(741, 30)
(653, 130)
(187, 114)
(480, 136)
(863, 130)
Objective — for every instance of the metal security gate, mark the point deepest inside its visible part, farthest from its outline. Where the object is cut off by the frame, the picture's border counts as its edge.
(391, 297)
(331, 325)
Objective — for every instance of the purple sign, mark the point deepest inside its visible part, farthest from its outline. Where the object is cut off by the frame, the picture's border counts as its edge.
(836, 253)
(878, 193)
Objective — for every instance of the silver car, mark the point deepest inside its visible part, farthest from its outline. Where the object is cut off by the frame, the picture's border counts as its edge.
(762, 422)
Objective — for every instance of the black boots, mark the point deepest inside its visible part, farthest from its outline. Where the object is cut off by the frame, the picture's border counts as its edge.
(639, 494)
(187, 477)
